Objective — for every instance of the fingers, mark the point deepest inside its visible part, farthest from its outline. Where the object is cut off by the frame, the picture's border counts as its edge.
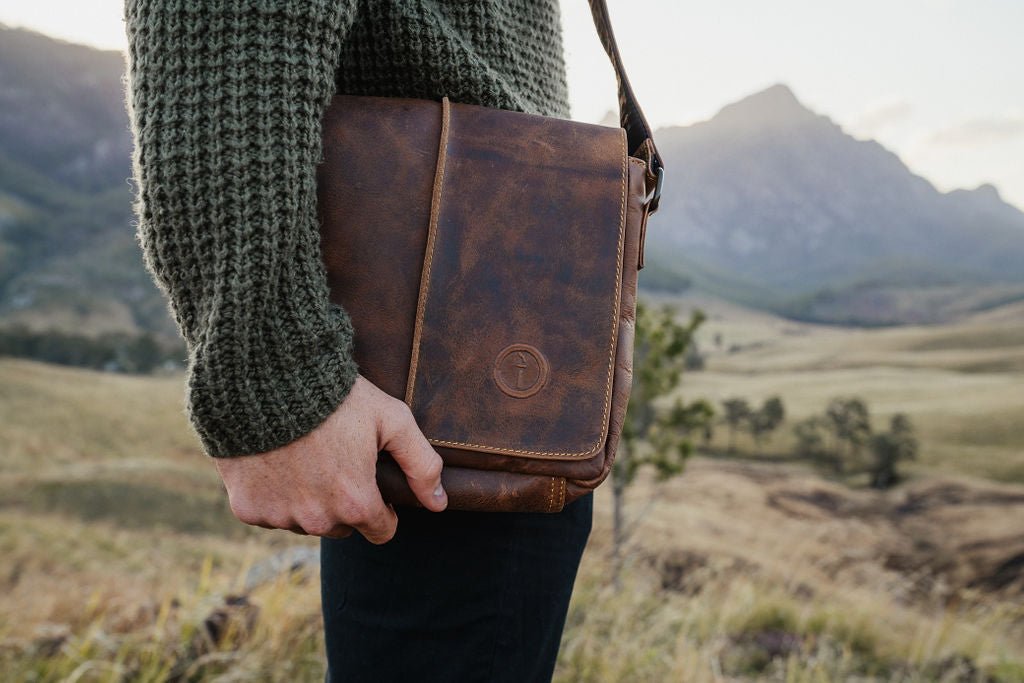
(337, 531)
(363, 511)
(340, 531)
(324, 483)
(307, 522)
(377, 523)
(402, 438)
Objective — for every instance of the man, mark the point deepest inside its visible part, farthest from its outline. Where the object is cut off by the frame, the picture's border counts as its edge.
(225, 99)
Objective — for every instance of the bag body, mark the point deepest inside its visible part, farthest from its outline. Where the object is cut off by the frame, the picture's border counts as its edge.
(488, 260)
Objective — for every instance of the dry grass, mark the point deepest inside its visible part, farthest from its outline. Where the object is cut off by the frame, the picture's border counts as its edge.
(962, 384)
(96, 603)
(738, 574)
(122, 563)
(52, 416)
(713, 595)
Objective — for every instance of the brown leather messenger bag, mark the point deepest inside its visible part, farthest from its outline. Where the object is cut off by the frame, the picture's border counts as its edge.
(488, 260)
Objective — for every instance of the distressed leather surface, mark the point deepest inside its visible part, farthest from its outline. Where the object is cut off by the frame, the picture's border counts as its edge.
(525, 256)
(374, 191)
(484, 490)
(533, 246)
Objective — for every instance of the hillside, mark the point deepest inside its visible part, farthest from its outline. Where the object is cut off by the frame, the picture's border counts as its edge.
(767, 203)
(741, 571)
(774, 205)
(63, 113)
(68, 256)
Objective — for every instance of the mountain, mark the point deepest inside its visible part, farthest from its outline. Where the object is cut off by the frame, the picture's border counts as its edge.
(68, 256)
(63, 112)
(772, 204)
(767, 204)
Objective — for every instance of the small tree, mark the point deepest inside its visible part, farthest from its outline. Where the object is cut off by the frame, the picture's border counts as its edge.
(694, 358)
(890, 449)
(654, 434)
(737, 413)
(810, 435)
(765, 420)
(851, 424)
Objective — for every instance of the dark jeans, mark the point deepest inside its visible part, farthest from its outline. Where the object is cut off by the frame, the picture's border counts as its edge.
(454, 597)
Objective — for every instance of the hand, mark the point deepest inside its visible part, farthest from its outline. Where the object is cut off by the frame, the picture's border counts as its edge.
(325, 482)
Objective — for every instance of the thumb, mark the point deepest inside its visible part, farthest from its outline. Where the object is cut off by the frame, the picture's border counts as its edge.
(401, 437)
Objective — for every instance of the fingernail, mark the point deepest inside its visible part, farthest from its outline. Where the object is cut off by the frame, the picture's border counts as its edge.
(439, 491)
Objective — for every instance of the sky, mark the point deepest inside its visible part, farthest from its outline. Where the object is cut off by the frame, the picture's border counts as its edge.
(939, 82)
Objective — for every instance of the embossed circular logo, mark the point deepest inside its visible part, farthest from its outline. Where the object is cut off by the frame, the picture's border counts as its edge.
(520, 370)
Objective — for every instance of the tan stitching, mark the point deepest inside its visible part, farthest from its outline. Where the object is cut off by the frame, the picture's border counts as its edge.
(515, 451)
(611, 347)
(435, 210)
(552, 506)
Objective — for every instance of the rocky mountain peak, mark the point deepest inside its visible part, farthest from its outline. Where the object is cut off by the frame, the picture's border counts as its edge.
(775, 106)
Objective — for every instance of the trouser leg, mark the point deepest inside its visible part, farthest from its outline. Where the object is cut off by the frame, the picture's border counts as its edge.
(455, 596)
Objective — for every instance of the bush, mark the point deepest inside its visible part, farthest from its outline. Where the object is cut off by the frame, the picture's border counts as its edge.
(114, 352)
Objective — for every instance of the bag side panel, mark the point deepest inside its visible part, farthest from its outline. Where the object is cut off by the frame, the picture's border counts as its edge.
(636, 219)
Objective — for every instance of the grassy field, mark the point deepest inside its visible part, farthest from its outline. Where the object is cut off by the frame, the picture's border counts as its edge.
(120, 560)
(961, 384)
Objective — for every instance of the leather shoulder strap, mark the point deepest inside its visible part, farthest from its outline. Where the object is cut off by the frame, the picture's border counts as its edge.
(630, 115)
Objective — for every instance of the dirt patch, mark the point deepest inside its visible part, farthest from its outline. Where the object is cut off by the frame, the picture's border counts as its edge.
(688, 571)
(816, 503)
(929, 539)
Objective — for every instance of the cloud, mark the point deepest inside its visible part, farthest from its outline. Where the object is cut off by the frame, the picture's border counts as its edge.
(979, 132)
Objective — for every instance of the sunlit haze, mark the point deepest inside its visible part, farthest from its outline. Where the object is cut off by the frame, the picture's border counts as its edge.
(937, 81)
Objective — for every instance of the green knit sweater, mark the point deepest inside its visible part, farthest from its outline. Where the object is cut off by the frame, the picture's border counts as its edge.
(225, 100)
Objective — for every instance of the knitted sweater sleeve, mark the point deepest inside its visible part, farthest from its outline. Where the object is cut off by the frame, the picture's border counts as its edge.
(225, 100)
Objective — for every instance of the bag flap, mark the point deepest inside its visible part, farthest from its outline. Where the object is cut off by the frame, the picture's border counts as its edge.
(517, 314)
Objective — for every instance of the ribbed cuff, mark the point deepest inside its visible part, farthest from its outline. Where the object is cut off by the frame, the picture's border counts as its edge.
(264, 393)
